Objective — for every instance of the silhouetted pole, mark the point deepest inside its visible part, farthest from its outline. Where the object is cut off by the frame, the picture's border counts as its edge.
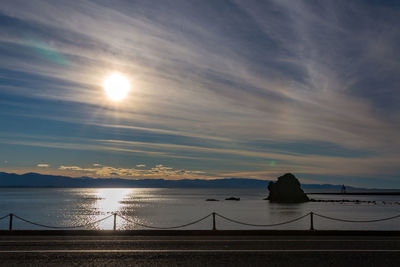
(115, 222)
(214, 228)
(311, 220)
(11, 219)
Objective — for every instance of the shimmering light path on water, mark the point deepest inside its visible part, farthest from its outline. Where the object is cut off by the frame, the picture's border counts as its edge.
(169, 207)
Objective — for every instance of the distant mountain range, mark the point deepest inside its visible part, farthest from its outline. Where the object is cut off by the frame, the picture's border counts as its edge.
(41, 180)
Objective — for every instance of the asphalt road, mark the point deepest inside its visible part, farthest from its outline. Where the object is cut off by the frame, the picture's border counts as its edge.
(199, 251)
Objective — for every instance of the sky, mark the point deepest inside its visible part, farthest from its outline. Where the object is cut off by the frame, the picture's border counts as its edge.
(218, 89)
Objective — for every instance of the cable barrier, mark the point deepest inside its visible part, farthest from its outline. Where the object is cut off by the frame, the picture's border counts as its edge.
(213, 215)
(165, 228)
(357, 221)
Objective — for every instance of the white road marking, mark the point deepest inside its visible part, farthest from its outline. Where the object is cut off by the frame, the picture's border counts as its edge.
(193, 250)
(194, 240)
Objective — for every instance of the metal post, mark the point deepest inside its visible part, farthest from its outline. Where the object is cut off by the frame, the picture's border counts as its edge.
(11, 219)
(312, 221)
(115, 222)
(214, 228)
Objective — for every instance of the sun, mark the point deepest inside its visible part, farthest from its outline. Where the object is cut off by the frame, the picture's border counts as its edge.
(116, 86)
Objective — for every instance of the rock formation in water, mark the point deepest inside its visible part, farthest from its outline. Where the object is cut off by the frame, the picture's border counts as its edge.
(233, 198)
(287, 189)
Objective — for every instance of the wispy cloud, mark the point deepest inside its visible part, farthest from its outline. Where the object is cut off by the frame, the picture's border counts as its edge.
(242, 72)
(319, 105)
(88, 147)
(43, 165)
(296, 162)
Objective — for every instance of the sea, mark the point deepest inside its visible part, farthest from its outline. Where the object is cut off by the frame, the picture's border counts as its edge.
(152, 208)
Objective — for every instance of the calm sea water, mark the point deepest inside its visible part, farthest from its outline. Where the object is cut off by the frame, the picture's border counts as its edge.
(170, 207)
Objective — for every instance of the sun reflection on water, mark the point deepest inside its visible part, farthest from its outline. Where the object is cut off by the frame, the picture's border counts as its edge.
(109, 201)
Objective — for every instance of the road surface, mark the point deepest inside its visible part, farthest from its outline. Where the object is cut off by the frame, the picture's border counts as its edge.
(199, 251)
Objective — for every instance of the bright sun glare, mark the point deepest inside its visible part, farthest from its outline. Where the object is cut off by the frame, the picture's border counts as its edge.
(117, 86)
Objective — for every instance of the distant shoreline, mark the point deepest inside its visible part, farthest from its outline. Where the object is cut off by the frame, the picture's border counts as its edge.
(397, 193)
(37, 180)
(359, 193)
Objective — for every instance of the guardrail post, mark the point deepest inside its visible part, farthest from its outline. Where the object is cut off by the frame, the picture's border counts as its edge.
(214, 227)
(312, 221)
(115, 222)
(11, 219)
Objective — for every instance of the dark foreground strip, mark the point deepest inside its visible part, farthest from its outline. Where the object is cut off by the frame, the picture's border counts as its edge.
(75, 241)
(193, 250)
(197, 233)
